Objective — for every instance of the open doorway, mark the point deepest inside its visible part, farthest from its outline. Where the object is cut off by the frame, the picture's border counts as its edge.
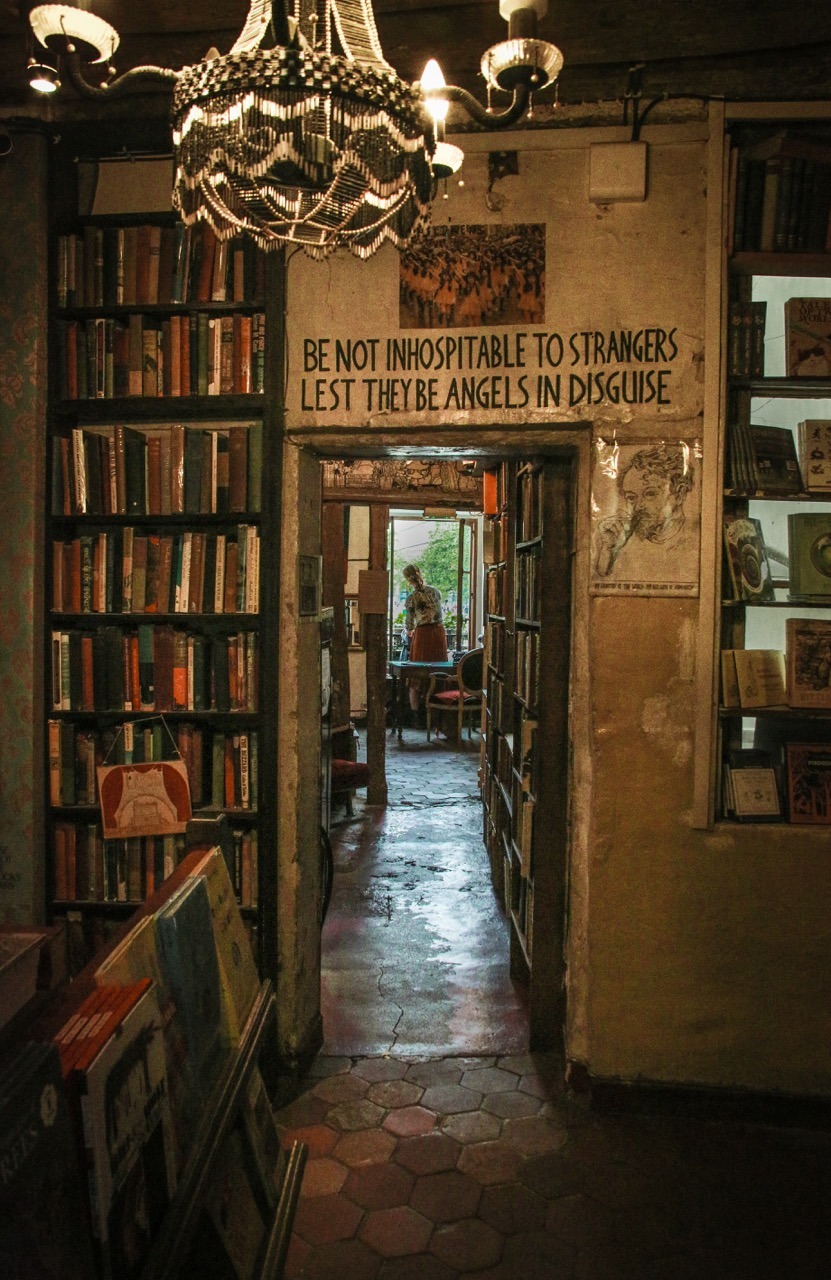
(417, 951)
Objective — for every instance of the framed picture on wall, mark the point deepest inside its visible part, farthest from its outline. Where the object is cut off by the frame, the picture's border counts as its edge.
(646, 517)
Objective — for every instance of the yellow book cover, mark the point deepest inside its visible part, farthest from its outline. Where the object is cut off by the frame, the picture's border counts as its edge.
(238, 972)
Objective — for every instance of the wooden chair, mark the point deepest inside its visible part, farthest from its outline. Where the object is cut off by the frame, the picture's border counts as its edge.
(459, 691)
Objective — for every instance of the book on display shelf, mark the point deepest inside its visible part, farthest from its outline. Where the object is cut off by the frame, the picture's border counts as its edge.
(760, 675)
(809, 556)
(808, 656)
(808, 337)
(814, 439)
(747, 560)
(808, 768)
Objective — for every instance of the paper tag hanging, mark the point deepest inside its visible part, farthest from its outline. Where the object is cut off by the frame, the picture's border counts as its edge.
(144, 799)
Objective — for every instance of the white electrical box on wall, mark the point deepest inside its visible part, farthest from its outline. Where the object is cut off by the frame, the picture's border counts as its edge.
(617, 171)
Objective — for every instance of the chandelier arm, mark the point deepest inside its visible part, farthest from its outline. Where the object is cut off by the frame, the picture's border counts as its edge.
(478, 113)
(136, 78)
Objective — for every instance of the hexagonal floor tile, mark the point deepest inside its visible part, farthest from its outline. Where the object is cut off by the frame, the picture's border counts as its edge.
(429, 1153)
(446, 1197)
(379, 1186)
(406, 1122)
(395, 1232)
(468, 1245)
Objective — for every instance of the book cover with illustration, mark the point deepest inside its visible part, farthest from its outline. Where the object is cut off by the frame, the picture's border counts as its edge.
(45, 1228)
(809, 555)
(808, 337)
(128, 1133)
(814, 435)
(237, 970)
(809, 782)
(808, 652)
(747, 560)
(188, 955)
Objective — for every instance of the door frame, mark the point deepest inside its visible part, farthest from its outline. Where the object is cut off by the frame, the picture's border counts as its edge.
(550, 1011)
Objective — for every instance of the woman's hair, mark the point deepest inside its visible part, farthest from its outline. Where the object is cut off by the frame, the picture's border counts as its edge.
(413, 574)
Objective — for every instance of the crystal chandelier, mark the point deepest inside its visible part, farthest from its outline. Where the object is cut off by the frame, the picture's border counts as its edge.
(297, 144)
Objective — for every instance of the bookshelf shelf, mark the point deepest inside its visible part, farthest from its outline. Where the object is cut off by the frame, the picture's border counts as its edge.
(774, 508)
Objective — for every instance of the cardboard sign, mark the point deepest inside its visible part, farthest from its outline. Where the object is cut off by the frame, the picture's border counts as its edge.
(144, 799)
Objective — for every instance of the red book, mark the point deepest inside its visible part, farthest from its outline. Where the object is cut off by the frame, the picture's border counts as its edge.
(87, 684)
(154, 475)
(230, 782)
(134, 686)
(180, 670)
(242, 354)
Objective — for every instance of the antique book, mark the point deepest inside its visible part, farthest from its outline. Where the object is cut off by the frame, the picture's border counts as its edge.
(808, 661)
(747, 561)
(775, 461)
(754, 793)
(808, 337)
(809, 555)
(238, 972)
(760, 674)
(814, 440)
(809, 782)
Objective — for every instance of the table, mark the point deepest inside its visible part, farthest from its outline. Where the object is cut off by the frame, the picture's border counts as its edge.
(401, 672)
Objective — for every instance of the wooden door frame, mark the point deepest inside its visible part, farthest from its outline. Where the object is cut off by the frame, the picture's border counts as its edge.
(564, 446)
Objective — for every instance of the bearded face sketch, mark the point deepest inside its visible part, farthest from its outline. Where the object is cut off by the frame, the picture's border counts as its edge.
(650, 535)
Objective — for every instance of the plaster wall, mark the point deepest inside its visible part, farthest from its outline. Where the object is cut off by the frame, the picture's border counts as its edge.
(693, 956)
(299, 880)
(23, 199)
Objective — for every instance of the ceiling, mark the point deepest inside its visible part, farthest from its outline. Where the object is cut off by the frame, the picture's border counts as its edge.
(690, 48)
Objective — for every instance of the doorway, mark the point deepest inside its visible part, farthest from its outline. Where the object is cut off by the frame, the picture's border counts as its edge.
(416, 951)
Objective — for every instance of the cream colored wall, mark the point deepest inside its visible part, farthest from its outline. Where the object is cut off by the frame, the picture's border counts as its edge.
(694, 956)
(298, 884)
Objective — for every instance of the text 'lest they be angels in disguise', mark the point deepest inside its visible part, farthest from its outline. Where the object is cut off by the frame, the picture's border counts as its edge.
(496, 370)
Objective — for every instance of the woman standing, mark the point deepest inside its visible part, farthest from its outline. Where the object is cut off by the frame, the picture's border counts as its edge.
(424, 625)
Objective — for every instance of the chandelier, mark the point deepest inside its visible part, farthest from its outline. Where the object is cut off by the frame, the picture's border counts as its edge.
(297, 144)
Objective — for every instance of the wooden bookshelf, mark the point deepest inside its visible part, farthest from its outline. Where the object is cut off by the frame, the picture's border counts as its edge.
(157, 424)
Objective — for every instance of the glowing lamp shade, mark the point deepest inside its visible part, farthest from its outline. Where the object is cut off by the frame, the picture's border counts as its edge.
(43, 78)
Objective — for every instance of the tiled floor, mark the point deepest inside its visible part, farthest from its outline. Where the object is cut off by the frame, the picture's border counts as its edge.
(439, 1148)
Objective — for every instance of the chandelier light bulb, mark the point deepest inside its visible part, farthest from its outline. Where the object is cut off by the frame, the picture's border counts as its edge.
(433, 78)
(43, 78)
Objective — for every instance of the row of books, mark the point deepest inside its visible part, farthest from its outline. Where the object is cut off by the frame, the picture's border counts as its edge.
(124, 570)
(495, 539)
(808, 564)
(800, 677)
(527, 674)
(772, 460)
(529, 503)
(528, 586)
(222, 768)
(111, 1097)
(758, 788)
(158, 470)
(782, 201)
(88, 868)
(193, 354)
(150, 263)
(153, 668)
(746, 338)
(496, 589)
(767, 677)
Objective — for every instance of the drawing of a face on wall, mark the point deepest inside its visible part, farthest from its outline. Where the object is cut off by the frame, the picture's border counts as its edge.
(646, 524)
(453, 277)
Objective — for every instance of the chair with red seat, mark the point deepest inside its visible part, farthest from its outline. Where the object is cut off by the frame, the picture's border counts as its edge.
(459, 692)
